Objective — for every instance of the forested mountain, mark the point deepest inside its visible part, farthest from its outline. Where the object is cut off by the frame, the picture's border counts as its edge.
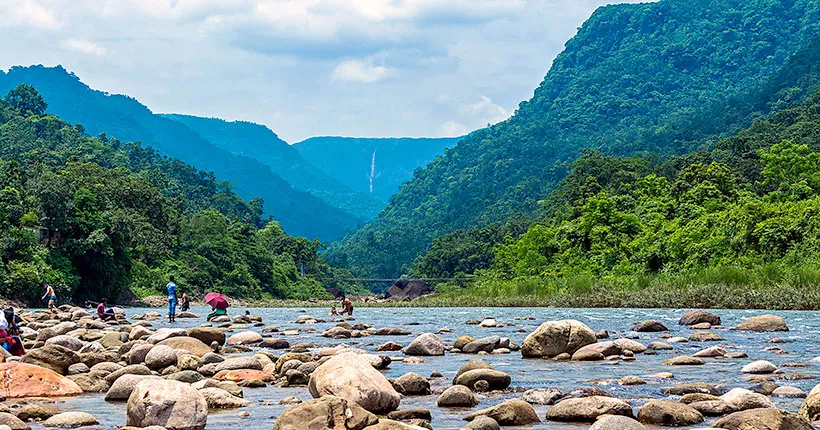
(299, 212)
(260, 143)
(97, 217)
(662, 78)
(384, 164)
(647, 232)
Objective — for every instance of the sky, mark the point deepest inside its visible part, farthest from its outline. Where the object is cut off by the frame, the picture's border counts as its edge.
(366, 68)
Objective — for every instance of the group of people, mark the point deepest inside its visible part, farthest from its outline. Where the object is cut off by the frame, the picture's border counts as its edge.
(185, 302)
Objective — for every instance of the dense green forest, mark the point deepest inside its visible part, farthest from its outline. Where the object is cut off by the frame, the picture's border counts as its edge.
(663, 78)
(667, 233)
(260, 143)
(97, 217)
(389, 162)
(299, 212)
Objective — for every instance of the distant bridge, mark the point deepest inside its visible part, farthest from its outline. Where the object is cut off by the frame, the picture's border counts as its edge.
(393, 280)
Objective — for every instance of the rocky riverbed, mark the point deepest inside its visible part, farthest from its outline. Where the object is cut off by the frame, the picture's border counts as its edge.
(417, 368)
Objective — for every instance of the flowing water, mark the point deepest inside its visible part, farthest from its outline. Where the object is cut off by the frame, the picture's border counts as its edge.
(802, 346)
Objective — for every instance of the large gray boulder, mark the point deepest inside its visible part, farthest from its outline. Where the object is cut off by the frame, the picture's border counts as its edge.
(669, 414)
(588, 409)
(425, 344)
(170, 404)
(351, 377)
(557, 337)
(616, 422)
(763, 419)
(510, 413)
(763, 323)
(328, 412)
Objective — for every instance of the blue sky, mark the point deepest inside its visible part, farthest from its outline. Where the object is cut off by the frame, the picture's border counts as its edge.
(304, 67)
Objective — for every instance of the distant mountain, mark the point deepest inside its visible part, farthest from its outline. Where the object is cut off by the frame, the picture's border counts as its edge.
(123, 117)
(262, 144)
(373, 165)
(658, 78)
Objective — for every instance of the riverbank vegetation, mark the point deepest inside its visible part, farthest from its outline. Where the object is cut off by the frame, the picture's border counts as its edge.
(96, 217)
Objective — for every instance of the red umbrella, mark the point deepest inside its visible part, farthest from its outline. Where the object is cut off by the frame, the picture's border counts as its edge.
(217, 301)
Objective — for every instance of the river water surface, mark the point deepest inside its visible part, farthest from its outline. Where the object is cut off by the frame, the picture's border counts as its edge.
(803, 345)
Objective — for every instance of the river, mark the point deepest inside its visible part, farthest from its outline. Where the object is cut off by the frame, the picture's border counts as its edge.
(802, 347)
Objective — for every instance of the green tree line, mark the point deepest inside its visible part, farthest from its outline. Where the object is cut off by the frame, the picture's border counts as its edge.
(96, 217)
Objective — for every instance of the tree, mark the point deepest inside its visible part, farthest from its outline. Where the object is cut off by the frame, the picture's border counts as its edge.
(27, 100)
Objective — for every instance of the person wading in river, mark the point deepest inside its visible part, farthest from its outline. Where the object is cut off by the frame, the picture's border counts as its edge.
(52, 297)
(172, 299)
(347, 306)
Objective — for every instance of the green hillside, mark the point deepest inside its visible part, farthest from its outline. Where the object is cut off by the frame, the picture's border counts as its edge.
(299, 212)
(732, 227)
(389, 162)
(662, 78)
(97, 217)
(260, 143)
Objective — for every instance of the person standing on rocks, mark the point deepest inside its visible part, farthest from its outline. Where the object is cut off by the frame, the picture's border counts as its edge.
(172, 299)
(52, 297)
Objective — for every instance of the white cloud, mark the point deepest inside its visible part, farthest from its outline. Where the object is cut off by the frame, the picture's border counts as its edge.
(29, 13)
(486, 111)
(452, 129)
(359, 71)
(84, 46)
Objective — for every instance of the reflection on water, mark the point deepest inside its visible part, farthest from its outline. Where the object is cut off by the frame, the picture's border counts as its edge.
(802, 347)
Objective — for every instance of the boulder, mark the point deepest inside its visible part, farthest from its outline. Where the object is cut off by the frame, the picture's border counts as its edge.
(170, 404)
(122, 388)
(698, 317)
(763, 419)
(596, 351)
(690, 388)
(486, 344)
(69, 342)
(426, 344)
(482, 423)
(55, 357)
(71, 420)
(759, 367)
(241, 375)
(351, 377)
(160, 357)
(461, 341)
(327, 412)
(187, 343)
(588, 409)
(704, 336)
(238, 363)
(763, 323)
(137, 353)
(14, 423)
(35, 412)
(457, 396)
(792, 392)
(650, 326)
(811, 407)
(683, 360)
(187, 376)
(713, 408)
(134, 369)
(389, 346)
(496, 379)
(473, 364)
(546, 396)
(743, 399)
(557, 337)
(218, 398)
(411, 384)
(28, 380)
(616, 422)
(509, 413)
(388, 424)
(711, 352)
(669, 414)
(165, 333)
(630, 345)
(244, 338)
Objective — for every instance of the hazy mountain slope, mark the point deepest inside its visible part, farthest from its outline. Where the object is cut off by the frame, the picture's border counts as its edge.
(390, 161)
(123, 117)
(261, 143)
(631, 80)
